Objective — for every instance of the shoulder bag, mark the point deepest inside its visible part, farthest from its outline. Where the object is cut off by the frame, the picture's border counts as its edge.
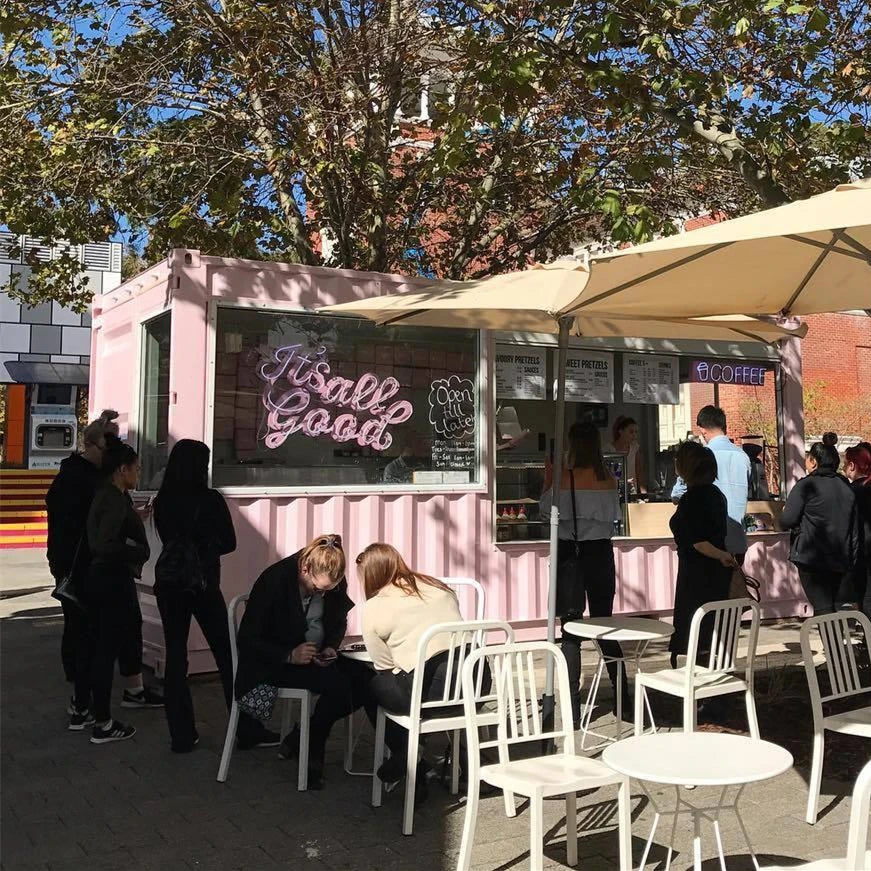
(65, 590)
(570, 591)
(743, 586)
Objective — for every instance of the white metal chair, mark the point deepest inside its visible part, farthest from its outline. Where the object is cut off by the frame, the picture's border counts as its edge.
(286, 696)
(835, 631)
(463, 639)
(520, 722)
(458, 584)
(858, 856)
(693, 682)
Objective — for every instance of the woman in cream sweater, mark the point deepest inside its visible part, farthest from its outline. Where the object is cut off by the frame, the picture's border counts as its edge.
(401, 605)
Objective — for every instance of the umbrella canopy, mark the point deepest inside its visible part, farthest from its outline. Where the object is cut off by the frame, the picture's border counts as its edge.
(533, 301)
(809, 256)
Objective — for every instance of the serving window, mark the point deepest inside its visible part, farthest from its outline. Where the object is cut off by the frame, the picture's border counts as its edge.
(304, 400)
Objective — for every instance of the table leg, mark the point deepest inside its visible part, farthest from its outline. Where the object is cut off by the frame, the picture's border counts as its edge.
(697, 841)
(618, 690)
(640, 649)
(592, 694)
(743, 828)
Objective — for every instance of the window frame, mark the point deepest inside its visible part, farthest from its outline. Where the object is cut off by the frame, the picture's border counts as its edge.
(481, 486)
(137, 420)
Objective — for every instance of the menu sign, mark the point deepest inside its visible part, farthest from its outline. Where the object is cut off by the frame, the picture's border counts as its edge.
(453, 455)
(589, 376)
(520, 372)
(651, 379)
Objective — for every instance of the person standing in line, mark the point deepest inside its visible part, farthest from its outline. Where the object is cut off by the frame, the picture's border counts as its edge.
(625, 433)
(186, 510)
(589, 509)
(67, 502)
(733, 477)
(822, 514)
(401, 605)
(295, 619)
(119, 549)
(699, 527)
(857, 470)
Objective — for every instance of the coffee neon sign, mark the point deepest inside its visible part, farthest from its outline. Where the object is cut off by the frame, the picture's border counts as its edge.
(716, 372)
(300, 394)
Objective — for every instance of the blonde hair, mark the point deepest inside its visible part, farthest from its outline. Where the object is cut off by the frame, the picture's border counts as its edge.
(324, 556)
(98, 428)
(381, 564)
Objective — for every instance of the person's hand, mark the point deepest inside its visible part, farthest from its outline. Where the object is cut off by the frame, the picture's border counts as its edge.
(326, 657)
(727, 560)
(303, 654)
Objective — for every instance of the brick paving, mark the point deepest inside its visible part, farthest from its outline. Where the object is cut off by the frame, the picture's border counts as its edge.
(68, 805)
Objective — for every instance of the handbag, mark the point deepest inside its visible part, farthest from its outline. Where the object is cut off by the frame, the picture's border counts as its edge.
(743, 586)
(571, 595)
(65, 589)
(259, 701)
(178, 566)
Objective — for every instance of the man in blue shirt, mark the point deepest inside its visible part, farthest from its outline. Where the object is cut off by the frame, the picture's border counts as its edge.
(733, 476)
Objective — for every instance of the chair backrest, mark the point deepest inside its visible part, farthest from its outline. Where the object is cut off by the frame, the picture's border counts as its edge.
(233, 619)
(723, 655)
(836, 633)
(459, 585)
(517, 686)
(460, 640)
(857, 834)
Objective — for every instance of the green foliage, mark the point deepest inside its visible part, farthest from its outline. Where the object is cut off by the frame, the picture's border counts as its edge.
(277, 130)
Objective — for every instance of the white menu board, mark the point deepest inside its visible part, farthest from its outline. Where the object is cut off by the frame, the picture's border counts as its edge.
(589, 376)
(651, 379)
(520, 372)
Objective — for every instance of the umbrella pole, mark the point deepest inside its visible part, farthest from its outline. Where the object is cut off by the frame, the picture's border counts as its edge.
(547, 702)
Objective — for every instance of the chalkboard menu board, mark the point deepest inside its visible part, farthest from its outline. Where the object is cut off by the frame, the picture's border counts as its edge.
(448, 455)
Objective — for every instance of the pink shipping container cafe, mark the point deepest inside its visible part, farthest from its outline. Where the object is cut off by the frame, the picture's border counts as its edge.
(432, 439)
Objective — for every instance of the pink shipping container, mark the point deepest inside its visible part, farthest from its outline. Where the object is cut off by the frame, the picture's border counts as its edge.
(198, 373)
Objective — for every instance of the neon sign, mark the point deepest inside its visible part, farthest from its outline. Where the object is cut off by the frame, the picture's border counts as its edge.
(300, 395)
(706, 372)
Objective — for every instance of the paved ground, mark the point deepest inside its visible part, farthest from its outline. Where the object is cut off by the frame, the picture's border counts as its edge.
(69, 805)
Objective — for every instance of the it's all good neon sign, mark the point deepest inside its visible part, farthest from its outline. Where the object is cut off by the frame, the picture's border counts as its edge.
(300, 394)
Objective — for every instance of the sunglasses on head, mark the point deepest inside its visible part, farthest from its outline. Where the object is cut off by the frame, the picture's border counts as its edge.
(330, 541)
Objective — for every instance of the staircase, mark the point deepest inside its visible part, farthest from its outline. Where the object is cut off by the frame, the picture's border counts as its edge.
(23, 520)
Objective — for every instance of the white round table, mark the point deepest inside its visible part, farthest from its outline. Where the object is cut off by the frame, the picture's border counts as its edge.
(639, 631)
(698, 759)
(360, 655)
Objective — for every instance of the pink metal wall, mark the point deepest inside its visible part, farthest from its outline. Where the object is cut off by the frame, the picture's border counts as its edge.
(447, 534)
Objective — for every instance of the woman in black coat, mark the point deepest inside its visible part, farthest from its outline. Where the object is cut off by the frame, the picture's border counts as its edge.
(699, 527)
(294, 623)
(857, 468)
(188, 513)
(822, 514)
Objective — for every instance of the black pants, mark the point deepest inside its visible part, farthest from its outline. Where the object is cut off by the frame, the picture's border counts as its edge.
(341, 687)
(176, 610)
(822, 589)
(116, 621)
(77, 652)
(600, 584)
(392, 691)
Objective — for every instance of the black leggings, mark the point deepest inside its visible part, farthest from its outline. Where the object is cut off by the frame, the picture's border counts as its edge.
(116, 621)
(823, 589)
(176, 610)
(600, 585)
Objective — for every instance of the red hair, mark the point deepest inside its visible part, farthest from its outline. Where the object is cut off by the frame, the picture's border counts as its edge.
(860, 457)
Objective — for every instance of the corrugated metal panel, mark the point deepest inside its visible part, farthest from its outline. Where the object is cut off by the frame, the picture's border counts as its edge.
(31, 245)
(97, 255)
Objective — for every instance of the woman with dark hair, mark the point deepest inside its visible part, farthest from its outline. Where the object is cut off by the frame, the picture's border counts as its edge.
(401, 605)
(704, 566)
(857, 470)
(822, 514)
(119, 549)
(625, 441)
(589, 509)
(187, 513)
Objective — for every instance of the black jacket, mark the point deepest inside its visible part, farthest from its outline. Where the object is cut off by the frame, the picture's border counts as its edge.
(862, 492)
(116, 534)
(274, 624)
(67, 502)
(822, 514)
(209, 525)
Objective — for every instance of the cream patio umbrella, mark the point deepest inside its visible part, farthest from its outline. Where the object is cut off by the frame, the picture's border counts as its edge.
(537, 300)
(808, 256)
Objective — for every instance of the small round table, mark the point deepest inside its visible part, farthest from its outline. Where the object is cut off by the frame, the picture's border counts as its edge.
(359, 653)
(697, 759)
(639, 631)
